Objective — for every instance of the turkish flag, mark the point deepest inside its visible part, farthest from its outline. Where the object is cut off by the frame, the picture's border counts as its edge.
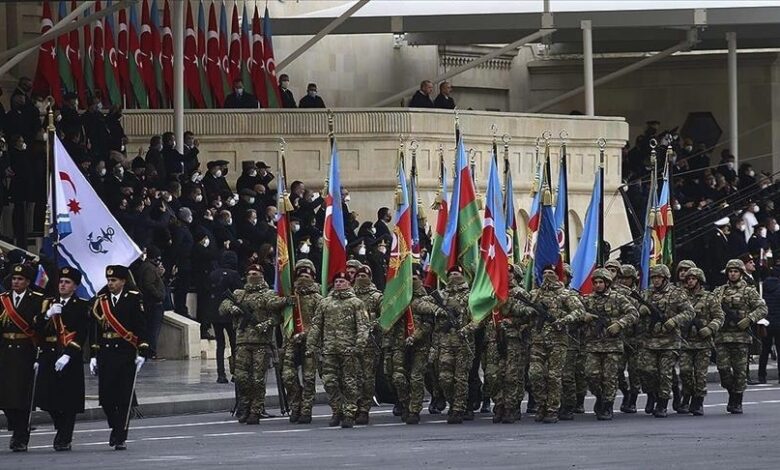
(258, 61)
(98, 70)
(74, 57)
(213, 62)
(47, 77)
(166, 57)
(123, 45)
(234, 67)
(147, 53)
(191, 78)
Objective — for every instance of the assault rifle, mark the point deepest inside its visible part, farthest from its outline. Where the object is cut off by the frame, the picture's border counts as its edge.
(452, 319)
(656, 315)
(732, 318)
(246, 315)
(544, 315)
(284, 405)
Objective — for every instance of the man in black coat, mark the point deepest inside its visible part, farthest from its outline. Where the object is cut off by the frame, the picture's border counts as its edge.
(19, 308)
(383, 217)
(119, 349)
(240, 99)
(288, 100)
(172, 159)
(422, 97)
(312, 99)
(444, 100)
(225, 278)
(214, 182)
(148, 274)
(155, 163)
(60, 388)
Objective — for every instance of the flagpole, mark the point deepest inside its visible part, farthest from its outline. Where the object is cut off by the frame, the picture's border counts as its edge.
(563, 168)
(546, 136)
(51, 215)
(670, 183)
(602, 143)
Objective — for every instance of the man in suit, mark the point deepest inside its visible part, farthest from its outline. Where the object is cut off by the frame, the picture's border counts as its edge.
(422, 97)
(383, 217)
(312, 99)
(63, 327)
(240, 99)
(18, 347)
(119, 349)
(288, 100)
(444, 100)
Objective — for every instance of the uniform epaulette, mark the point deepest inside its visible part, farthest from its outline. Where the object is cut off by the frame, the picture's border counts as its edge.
(36, 293)
(133, 292)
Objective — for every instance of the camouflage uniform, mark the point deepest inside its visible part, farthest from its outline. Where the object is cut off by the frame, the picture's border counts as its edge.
(406, 357)
(695, 357)
(604, 348)
(453, 354)
(548, 346)
(631, 346)
(372, 299)
(662, 340)
(262, 307)
(301, 396)
(339, 331)
(574, 385)
(742, 306)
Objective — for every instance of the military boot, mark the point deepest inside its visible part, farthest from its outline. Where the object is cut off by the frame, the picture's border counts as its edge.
(498, 414)
(413, 418)
(685, 405)
(650, 405)
(566, 414)
(305, 419)
(397, 409)
(510, 416)
(580, 408)
(361, 418)
(550, 418)
(606, 411)
(631, 406)
(597, 405)
(540, 412)
(468, 415)
(252, 419)
(295, 415)
(697, 406)
(432, 409)
(531, 408)
(485, 405)
(335, 420)
(626, 400)
(660, 407)
(730, 405)
(456, 417)
(736, 408)
(347, 422)
(242, 417)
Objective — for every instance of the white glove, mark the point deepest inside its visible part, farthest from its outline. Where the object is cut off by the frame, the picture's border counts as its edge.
(93, 366)
(55, 309)
(139, 362)
(35, 366)
(61, 362)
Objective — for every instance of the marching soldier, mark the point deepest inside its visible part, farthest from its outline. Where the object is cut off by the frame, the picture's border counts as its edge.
(301, 396)
(256, 310)
(339, 332)
(627, 285)
(608, 313)
(18, 353)
(406, 347)
(63, 326)
(574, 385)
(695, 357)
(549, 342)
(119, 350)
(366, 291)
(682, 269)
(742, 306)
(667, 308)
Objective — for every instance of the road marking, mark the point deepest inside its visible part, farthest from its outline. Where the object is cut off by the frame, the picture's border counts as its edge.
(220, 434)
(282, 431)
(165, 438)
(386, 424)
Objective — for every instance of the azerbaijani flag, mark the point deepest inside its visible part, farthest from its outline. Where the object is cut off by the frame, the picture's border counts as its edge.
(491, 283)
(414, 210)
(650, 243)
(398, 290)
(664, 227)
(515, 253)
(533, 226)
(285, 258)
(246, 51)
(334, 250)
(440, 261)
(586, 258)
(560, 207)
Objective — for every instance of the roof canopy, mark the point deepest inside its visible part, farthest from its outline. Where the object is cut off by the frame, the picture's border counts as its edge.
(618, 26)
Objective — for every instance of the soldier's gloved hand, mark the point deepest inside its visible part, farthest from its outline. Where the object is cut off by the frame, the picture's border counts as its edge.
(614, 329)
(36, 365)
(410, 341)
(235, 310)
(705, 332)
(669, 325)
(558, 325)
(744, 324)
(313, 352)
(93, 366)
(139, 362)
(61, 362)
(263, 326)
(299, 337)
(55, 309)
(589, 317)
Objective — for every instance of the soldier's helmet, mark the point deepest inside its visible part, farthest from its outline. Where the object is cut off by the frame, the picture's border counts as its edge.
(660, 270)
(697, 273)
(353, 263)
(628, 270)
(602, 273)
(735, 264)
(685, 264)
(612, 263)
(305, 262)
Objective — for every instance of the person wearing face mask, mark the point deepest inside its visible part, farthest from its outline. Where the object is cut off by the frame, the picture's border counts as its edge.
(759, 242)
(312, 99)
(750, 218)
(22, 119)
(226, 233)
(366, 291)
(205, 254)
(747, 176)
(377, 259)
(288, 100)
(69, 119)
(181, 247)
(214, 182)
(173, 161)
(21, 173)
(247, 200)
(249, 176)
(154, 158)
(737, 240)
(195, 201)
(191, 152)
(240, 98)
(117, 139)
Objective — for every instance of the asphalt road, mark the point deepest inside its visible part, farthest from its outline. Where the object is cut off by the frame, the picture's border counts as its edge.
(716, 440)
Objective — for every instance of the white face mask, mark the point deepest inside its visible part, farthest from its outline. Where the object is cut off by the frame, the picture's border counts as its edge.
(195, 177)
(217, 204)
(208, 217)
(253, 221)
(99, 106)
(168, 198)
(285, 84)
(231, 202)
(362, 250)
(239, 91)
(188, 219)
(689, 148)
(372, 230)
(251, 200)
(305, 248)
(24, 145)
(199, 198)
(347, 198)
(120, 172)
(229, 222)
(762, 232)
(218, 174)
(252, 173)
(102, 172)
(382, 249)
(206, 242)
(756, 209)
(677, 207)
(775, 227)
(751, 173)
(295, 227)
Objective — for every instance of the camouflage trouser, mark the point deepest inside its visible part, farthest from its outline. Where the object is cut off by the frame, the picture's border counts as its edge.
(495, 372)
(340, 376)
(629, 360)
(693, 371)
(407, 370)
(602, 370)
(658, 369)
(545, 373)
(573, 379)
(251, 366)
(367, 364)
(514, 373)
(432, 375)
(395, 370)
(732, 366)
(300, 397)
(454, 367)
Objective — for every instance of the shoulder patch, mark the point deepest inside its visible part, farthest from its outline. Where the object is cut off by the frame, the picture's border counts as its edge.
(134, 292)
(36, 293)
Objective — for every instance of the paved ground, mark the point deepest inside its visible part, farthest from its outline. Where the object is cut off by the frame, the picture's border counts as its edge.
(717, 440)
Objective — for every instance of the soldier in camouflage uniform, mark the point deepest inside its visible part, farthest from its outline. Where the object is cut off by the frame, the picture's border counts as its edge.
(574, 385)
(339, 331)
(454, 353)
(742, 306)
(662, 341)
(301, 396)
(406, 348)
(695, 356)
(677, 395)
(352, 268)
(608, 313)
(549, 341)
(255, 313)
(627, 285)
(366, 291)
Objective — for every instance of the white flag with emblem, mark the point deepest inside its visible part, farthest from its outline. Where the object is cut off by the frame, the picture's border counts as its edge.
(90, 237)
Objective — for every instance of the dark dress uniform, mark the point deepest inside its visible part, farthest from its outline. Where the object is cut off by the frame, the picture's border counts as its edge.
(116, 351)
(18, 349)
(62, 393)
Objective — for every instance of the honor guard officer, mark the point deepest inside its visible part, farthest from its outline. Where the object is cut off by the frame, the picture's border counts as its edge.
(119, 350)
(63, 327)
(18, 353)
